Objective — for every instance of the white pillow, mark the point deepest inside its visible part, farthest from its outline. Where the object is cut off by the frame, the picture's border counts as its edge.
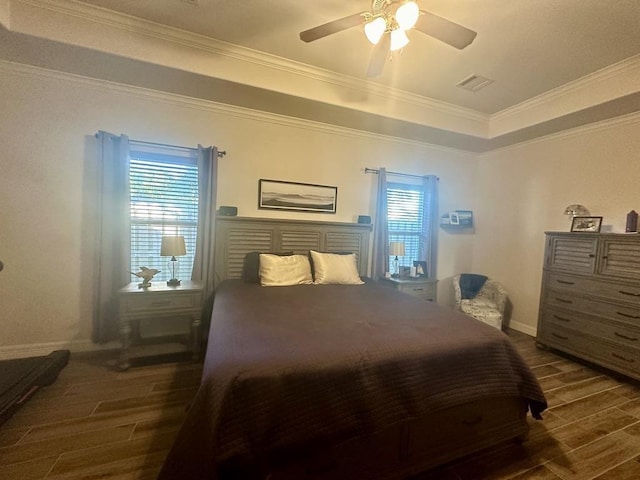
(281, 271)
(334, 268)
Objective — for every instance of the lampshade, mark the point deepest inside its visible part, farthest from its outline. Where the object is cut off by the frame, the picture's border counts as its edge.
(396, 248)
(407, 15)
(576, 210)
(172, 246)
(398, 39)
(374, 29)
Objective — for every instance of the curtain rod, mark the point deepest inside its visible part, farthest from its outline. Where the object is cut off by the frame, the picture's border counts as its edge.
(376, 171)
(221, 153)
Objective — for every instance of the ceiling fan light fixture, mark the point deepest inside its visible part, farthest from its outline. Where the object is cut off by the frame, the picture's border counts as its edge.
(407, 15)
(398, 39)
(375, 29)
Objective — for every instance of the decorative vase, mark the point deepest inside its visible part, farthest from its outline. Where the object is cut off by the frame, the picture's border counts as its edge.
(632, 222)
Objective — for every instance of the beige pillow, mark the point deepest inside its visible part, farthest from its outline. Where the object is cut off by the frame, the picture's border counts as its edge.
(282, 271)
(334, 268)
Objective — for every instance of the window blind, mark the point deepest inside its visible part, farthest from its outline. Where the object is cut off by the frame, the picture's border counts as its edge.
(409, 214)
(164, 201)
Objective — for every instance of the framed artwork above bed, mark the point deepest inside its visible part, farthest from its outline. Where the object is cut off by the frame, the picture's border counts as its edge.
(302, 197)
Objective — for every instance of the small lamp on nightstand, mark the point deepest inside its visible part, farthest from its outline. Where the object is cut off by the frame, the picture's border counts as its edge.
(173, 246)
(397, 249)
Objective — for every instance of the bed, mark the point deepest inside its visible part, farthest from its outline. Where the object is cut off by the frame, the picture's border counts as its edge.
(339, 381)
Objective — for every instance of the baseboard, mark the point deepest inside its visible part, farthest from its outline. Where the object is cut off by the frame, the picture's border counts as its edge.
(40, 349)
(523, 327)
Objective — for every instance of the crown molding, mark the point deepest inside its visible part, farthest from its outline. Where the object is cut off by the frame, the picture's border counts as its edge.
(134, 24)
(89, 26)
(483, 146)
(405, 105)
(628, 119)
(608, 83)
(398, 114)
(215, 107)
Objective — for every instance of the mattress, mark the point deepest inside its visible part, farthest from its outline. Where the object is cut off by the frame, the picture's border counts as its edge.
(291, 368)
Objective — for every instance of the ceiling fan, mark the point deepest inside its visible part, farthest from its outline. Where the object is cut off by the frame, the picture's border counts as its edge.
(386, 25)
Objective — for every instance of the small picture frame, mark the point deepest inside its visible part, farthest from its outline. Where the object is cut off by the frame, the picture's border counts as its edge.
(465, 218)
(421, 268)
(454, 219)
(586, 224)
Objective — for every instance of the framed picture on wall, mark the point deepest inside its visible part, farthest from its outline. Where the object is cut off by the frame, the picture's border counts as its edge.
(586, 224)
(302, 197)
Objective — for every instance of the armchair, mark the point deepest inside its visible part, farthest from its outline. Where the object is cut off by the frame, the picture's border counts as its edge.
(487, 306)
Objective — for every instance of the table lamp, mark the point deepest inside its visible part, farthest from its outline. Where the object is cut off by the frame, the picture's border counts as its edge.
(397, 249)
(173, 246)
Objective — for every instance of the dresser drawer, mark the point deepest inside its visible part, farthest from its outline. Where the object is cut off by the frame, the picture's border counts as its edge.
(615, 356)
(589, 286)
(425, 291)
(596, 327)
(164, 302)
(568, 301)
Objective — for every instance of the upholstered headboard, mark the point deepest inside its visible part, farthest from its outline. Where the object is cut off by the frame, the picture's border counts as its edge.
(237, 236)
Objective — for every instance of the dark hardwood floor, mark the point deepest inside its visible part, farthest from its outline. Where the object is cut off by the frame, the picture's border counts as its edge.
(97, 423)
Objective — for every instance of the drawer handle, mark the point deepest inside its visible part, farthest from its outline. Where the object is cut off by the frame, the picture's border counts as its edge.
(565, 282)
(418, 289)
(629, 293)
(161, 302)
(630, 360)
(475, 421)
(561, 337)
(625, 337)
(562, 319)
(622, 314)
(591, 255)
(562, 300)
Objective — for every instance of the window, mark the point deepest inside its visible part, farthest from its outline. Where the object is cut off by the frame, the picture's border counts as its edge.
(409, 221)
(164, 201)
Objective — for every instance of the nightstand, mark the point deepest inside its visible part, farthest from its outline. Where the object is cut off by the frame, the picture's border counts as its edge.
(424, 288)
(159, 300)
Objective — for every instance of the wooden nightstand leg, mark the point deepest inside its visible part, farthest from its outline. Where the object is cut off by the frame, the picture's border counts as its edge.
(196, 333)
(125, 335)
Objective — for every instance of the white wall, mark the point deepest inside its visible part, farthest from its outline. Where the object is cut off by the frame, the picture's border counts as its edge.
(46, 240)
(524, 190)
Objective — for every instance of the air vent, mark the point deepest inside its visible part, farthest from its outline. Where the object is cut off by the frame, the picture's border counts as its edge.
(473, 83)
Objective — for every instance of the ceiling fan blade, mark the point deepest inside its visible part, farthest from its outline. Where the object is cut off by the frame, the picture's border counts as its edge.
(332, 27)
(444, 30)
(379, 56)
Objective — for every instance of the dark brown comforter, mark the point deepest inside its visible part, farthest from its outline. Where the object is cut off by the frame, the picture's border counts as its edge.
(292, 367)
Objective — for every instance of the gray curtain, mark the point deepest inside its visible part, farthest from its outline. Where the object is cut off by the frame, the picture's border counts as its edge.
(381, 229)
(430, 223)
(113, 246)
(203, 262)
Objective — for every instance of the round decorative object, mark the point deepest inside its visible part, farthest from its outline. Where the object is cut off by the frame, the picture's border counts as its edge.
(577, 210)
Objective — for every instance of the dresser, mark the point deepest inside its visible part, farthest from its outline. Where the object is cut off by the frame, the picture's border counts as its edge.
(424, 288)
(590, 298)
(159, 300)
